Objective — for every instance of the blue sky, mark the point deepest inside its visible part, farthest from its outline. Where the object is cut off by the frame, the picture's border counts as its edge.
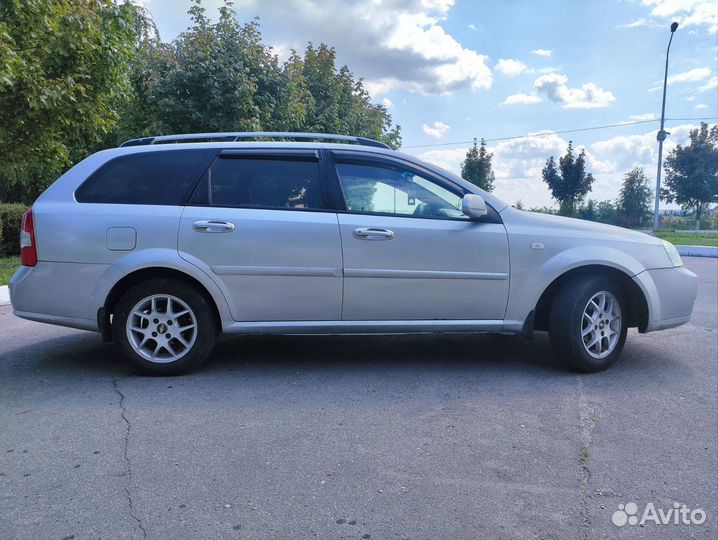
(451, 70)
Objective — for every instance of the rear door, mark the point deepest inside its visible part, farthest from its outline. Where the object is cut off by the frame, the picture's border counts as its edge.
(261, 222)
(409, 251)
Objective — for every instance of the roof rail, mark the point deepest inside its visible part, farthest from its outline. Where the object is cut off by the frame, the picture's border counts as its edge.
(236, 136)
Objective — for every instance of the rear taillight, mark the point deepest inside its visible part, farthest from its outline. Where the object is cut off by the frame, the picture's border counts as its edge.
(28, 247)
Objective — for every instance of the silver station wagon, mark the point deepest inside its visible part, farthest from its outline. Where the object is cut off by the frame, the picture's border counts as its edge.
(165, 242)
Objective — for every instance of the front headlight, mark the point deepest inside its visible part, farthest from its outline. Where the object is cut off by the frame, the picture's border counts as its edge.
(673, 254)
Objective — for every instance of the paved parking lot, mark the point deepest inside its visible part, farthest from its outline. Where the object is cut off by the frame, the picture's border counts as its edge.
(357, 437)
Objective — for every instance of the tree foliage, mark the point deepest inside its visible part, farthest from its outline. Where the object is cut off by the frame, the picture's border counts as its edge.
(606, 212)
(634, 200)
(476, 168)
(222, 77)
(569, 183)
(76, 76)
(692, 172)
(63, 76)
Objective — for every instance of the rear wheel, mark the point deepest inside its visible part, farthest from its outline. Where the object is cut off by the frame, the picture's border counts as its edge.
(587, 323)
(164, 326)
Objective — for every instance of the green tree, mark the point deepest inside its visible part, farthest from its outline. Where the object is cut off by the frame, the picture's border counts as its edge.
(76, 76)
(634, 201)
(476, 168)
(569, 183)
(63, 76)
(222, 77)
(340, 104)
(692, 172)
(296, 102)
(588, 211)
(606, 212)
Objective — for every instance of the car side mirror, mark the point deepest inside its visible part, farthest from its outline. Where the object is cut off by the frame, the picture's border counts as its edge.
(473, 205)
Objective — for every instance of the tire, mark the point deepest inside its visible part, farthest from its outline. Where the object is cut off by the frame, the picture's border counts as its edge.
(586, 337)
(142, 323)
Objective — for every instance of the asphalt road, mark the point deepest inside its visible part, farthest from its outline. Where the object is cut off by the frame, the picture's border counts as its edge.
(357, 437)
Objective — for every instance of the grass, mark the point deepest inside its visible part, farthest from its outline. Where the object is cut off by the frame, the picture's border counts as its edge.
(689, 239)
(8, 265)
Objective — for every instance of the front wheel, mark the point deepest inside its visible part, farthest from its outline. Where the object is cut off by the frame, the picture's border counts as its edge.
(164, 326)
(587, 323)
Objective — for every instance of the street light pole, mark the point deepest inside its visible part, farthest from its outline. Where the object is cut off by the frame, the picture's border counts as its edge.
(662, 133)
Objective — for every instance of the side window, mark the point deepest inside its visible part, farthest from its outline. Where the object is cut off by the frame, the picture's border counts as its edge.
(265, 183)
(163, 178)
(380, 189)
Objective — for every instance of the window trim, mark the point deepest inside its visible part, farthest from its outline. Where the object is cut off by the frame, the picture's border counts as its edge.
(207, 160)
(269, 154)
(380, 160)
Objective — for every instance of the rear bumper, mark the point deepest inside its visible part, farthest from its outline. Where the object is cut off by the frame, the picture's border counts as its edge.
(70, 322)
(670, 295)
(57, 293)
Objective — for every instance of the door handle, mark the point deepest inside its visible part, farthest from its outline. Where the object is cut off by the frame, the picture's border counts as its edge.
(213, 226)
(370, 233)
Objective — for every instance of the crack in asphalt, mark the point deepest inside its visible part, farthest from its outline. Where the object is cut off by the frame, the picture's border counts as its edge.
(128, 466)
(587, 415)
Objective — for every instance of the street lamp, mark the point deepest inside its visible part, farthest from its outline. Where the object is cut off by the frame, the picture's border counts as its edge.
(662, 133)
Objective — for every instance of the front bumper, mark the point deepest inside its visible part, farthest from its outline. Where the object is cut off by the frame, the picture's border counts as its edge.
(670, 294)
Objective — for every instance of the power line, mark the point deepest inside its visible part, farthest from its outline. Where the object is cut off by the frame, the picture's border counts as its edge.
(497, 139)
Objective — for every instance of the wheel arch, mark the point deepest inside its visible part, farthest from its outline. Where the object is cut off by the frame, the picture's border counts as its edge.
(153, 272)
(638, 312)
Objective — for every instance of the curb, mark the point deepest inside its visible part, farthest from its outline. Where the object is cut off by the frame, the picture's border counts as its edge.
(698, 251)
(4, 295)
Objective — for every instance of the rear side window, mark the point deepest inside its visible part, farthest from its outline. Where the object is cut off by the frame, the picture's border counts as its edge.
(289, 183)
(163, 178)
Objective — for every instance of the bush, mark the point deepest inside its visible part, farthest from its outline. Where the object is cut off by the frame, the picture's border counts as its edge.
(672, 223)
(10, 219)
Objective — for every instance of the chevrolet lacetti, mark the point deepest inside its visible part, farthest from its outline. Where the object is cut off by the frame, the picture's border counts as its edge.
(165, 242)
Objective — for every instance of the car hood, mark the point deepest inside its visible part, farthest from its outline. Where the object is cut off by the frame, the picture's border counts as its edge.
(570, 226)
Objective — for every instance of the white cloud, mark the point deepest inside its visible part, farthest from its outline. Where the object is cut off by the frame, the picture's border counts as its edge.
(589, 96)
(518, 162)
(692, 75)
(521, 99)
(511, 67)
(542, 52)
(642, 117)
(639, 23)
(624, 152)
(688, 13)
(391, 45)
(701, 106)
(472, 27)
(387, 103)
(710, 85)
(436, 130)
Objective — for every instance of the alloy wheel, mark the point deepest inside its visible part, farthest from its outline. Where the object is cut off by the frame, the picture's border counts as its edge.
(601, 324)
(161, 328)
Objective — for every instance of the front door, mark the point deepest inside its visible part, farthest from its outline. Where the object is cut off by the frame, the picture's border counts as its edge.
(259, 222)
(409, 251)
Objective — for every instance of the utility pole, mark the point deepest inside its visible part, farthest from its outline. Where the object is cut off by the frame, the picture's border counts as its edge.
(662, 133)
